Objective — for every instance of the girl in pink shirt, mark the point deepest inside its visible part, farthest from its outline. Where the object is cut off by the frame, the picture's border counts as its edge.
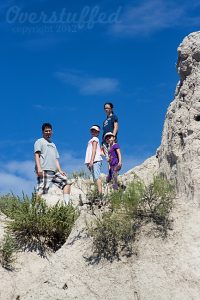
(93, 158)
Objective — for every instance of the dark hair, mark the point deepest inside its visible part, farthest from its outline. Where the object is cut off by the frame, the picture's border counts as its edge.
(109, 103)
(97, 126)
(46, 125)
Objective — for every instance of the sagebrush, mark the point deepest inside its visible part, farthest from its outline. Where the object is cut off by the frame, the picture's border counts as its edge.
(35, 224)
(8, 250)
(111, 234)
(9, 204)
(115, 231)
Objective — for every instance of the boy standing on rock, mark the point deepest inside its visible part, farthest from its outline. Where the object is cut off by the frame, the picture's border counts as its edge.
(47, 165)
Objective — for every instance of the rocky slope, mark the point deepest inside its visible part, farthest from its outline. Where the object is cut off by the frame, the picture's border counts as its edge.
(163, 269)
(67, 274)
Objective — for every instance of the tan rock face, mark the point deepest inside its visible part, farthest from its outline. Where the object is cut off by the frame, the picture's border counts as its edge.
(146, 171)
(179, 153)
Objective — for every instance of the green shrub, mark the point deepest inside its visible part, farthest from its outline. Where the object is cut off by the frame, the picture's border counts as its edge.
(152, 202)
(7, 252)
(92, 193)
(129, 199)
(130, 209)
(111, 234)
(9, 204)
(34, 223)
(157, 202)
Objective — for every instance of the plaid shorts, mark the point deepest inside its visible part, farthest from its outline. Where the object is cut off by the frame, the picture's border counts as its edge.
(49, 178)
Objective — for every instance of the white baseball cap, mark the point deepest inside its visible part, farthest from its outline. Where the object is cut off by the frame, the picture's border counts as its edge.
(95, 128)
(108, 134)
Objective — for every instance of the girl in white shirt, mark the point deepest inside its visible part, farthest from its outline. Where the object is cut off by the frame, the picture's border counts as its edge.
(93, 158)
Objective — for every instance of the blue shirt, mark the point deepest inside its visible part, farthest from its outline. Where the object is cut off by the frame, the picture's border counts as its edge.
(108, 124)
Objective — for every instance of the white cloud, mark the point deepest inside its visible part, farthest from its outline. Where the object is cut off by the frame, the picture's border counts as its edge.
(54, 108)
(19, 176)
(71, 163)
(21, 168)
(88, 85)
(15, 184)
(150, 16)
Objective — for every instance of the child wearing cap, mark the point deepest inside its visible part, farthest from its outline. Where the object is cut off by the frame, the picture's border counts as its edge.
(115, 159)
(93, 158)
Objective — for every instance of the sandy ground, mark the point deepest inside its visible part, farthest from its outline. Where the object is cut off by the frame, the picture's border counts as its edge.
(162, 269)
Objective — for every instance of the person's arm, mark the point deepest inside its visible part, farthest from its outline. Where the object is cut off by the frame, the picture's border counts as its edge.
(115, 130)
(38, 165)
(59, 168)
(94, 148)
(119, 157)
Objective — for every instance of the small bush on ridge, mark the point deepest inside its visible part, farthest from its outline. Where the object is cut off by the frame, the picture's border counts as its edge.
(157, 202)
(111, 234)
(32, 220)
(130, 209)
(7, 252)
(9, 204)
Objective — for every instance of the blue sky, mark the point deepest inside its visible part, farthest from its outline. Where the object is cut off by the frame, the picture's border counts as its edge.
(62, 60)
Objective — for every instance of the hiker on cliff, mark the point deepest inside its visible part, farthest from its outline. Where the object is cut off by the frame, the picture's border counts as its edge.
(93, 159)
(47, 165)
(115, 159)
(109, 125)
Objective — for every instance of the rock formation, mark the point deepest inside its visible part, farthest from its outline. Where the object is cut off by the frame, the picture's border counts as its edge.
(146, 171)
(162, 269)
(179, 153)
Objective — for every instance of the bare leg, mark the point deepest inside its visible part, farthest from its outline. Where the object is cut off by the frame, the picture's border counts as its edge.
(114, 180)
(66, 194)
(99, 186)
(67, 189)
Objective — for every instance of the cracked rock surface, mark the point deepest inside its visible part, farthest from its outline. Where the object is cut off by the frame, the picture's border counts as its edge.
(179, 153)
